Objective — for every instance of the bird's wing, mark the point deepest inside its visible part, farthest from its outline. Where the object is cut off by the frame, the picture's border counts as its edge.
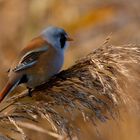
(28, 60)
(31, 54)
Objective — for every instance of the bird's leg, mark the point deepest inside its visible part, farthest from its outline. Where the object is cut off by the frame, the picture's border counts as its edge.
(29, 92)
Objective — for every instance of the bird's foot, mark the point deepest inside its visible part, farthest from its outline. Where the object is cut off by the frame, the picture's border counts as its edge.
(29, 92)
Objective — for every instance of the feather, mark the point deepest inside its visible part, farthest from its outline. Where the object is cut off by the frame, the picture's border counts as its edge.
(29, 59)
(31, 54)
(8, 88)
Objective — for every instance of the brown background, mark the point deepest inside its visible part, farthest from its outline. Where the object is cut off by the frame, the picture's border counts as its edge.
(89, 22)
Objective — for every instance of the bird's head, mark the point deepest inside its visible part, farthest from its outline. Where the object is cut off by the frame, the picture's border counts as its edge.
(57, 37)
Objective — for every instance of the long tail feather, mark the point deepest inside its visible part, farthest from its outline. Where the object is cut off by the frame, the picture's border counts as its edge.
(8, 88)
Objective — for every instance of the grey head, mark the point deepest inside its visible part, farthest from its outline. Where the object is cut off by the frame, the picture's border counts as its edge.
(57, 37)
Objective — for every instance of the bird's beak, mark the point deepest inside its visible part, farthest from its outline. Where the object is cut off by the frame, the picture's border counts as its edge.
(69, 39)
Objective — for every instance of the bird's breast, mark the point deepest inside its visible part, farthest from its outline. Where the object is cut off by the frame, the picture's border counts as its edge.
(48, 65)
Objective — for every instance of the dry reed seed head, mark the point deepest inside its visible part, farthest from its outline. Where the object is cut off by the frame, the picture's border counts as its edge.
(93, 87)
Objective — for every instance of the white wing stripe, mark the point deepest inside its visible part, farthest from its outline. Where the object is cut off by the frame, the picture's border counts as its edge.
(24, 66)
(37, 50)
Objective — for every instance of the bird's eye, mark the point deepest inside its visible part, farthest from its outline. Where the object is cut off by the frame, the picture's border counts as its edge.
(62, 40)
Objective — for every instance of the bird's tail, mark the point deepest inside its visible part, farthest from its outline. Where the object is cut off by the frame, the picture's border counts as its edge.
(8, 88)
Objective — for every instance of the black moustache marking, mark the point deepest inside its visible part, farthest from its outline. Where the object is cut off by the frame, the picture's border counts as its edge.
(62, 40)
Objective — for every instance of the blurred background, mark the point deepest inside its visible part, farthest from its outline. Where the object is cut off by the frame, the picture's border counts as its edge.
(89, 22)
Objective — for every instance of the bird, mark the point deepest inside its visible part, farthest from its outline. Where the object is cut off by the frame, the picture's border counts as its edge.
(41, 59)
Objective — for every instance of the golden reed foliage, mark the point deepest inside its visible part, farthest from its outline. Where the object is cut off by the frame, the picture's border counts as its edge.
(89, 22)
(93, 88)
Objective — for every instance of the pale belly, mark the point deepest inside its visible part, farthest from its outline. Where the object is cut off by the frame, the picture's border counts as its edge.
(44, 70)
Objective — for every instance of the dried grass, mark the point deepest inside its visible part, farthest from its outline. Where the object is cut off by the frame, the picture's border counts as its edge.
(93, 87)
